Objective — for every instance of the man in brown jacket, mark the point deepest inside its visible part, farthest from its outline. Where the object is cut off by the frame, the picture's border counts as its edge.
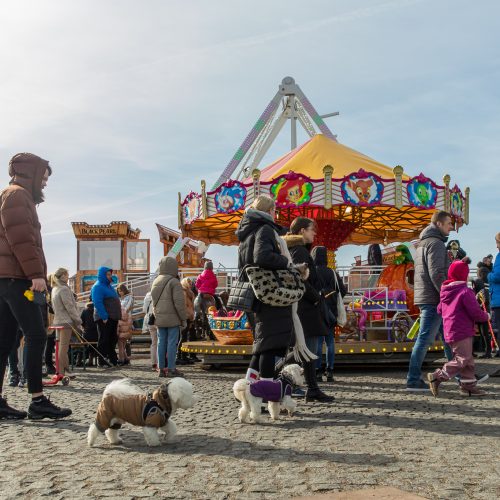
(23, 267)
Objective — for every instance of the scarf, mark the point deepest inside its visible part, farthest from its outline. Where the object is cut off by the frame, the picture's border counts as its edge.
(300, 350)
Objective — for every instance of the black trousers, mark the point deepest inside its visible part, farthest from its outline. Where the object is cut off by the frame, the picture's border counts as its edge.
(265, 361)
(108, 338)
(16, 311)
(50, 349)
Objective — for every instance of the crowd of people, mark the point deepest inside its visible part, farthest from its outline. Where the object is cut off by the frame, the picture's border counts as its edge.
(30, 303)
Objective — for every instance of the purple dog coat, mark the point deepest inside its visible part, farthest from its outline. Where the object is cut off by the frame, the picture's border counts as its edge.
(271, 390)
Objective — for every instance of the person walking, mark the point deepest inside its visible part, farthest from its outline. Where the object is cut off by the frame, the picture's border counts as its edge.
(331, 286)
(22, 268)
(299, 241)
(169, 309)
(431, 268)
(258, 236)
(66, 317)
(147, 309)
(107, 313)
(125, 325)
(460, 311)
(494, 282)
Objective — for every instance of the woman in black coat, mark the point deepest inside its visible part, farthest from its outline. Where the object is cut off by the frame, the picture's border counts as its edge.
(299, 241)
(258, 235)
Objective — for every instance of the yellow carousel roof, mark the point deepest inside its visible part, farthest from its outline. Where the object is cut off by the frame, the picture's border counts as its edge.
(362, 201)
(311, 157)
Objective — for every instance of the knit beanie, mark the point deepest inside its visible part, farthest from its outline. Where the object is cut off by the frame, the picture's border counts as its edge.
(459, 270)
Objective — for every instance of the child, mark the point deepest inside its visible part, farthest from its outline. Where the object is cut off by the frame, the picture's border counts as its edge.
(460, 310)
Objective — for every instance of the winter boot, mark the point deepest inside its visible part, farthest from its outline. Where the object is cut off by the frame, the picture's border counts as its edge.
(313, 392)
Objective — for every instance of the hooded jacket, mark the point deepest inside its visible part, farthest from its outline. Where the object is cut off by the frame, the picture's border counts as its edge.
(494, 282)
(431, 265)
(103, 295)
(169, 307)
(329, 279)
(258, 245)
(207, 282)
(460, 310)
(310, 309)
(21, 250)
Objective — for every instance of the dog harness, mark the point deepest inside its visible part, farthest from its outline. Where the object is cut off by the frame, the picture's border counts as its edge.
(272, 390)
(151, 410)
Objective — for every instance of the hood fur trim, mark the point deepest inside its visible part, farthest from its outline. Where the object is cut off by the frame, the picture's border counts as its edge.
(294, 240)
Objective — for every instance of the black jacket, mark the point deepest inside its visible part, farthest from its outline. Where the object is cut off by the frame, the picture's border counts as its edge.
(328, 283)
(309, 309)
(89, 325)
(259, 246)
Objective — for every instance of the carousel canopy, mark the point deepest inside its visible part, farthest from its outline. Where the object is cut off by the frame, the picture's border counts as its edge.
(352, 198)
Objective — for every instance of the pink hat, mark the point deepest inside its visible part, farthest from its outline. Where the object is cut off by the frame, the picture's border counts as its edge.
(459, 270)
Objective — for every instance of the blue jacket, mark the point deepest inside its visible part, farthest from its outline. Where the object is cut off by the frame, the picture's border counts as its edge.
(101, 290)
(494, 281)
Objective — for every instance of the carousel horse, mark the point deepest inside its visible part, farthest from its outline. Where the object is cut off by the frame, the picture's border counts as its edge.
(202, 303)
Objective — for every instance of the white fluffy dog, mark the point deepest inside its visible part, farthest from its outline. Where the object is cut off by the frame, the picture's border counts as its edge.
(122, 401)
(278, 394)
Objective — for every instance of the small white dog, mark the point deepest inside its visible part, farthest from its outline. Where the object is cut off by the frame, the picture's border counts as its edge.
(122, 401)
(278, 394)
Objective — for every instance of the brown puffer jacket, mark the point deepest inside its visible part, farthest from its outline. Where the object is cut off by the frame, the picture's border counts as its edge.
(21, 251)
(189, 300)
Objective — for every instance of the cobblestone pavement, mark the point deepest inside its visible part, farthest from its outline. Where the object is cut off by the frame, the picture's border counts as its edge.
(375, 434)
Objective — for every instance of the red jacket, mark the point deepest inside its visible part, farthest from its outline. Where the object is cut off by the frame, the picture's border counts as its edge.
(207, 282)
(460, 310)
(21, 251)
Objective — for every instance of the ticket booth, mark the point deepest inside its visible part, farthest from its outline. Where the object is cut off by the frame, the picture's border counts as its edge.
(115, 245)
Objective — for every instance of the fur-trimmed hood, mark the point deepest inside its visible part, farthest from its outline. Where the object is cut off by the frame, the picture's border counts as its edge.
(294, 240)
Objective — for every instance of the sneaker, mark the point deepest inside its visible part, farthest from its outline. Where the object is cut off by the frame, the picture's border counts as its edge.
(433, 384)
(472, 391)
(481, 378)
(21, 383)
(44, 408)
(154, 368)
(162, 372)
(174, 373)
(420, 386)
(329, 376)
(298, 393)
(14, 381)
(9, 413)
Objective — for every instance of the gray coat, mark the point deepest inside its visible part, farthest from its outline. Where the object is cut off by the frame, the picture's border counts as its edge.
(169, 307)
(431, 265)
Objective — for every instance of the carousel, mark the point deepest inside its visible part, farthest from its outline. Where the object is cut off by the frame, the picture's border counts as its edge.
(353, 198)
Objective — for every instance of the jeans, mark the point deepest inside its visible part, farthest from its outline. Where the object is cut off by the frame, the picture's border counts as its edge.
(108, 337)
(16, 311)
(168, 338)
(330, 351)
(430, 323)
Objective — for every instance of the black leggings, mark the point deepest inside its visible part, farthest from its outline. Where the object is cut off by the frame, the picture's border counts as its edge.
(16, 311)
(264, 362)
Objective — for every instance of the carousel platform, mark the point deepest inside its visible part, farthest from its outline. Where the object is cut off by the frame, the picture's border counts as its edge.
(346, 353)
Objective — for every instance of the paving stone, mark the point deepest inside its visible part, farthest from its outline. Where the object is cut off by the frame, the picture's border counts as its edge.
(373, 435)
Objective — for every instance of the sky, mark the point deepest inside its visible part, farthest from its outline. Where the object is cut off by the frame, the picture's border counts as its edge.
(132, 102)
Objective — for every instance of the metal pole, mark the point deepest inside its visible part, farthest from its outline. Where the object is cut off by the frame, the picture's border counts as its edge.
(293, 121)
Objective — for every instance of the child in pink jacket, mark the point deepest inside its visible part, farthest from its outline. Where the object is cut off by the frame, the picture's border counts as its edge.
(460, 311)
(207, 281)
